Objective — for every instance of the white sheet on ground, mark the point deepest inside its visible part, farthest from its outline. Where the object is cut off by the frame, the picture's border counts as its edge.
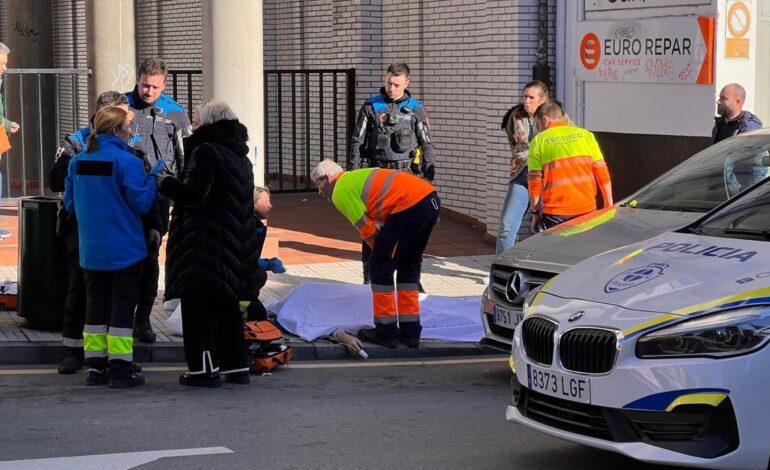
(316, 309)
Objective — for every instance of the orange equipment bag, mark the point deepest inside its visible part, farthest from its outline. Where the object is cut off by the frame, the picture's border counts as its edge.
(8, 291)
(266, 347)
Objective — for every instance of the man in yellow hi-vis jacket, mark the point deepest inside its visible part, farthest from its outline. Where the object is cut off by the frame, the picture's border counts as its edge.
(394, 212)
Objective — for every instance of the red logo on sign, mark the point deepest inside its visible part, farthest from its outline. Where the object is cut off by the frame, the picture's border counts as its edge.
(590, 51)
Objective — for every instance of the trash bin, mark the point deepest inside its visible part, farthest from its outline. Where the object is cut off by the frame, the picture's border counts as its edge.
(42, 264)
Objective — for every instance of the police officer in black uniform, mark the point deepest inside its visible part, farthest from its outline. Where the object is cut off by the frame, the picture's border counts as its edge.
(159, 127)
(392, 131)
(67, 227)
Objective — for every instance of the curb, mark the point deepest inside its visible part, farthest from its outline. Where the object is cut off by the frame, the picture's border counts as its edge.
(49, 352)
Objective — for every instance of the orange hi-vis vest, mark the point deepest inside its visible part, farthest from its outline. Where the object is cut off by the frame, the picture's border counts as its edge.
(367, 197)
(565, 164)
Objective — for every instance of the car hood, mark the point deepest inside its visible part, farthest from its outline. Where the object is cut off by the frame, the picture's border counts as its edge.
(567, 244)
(663, 278)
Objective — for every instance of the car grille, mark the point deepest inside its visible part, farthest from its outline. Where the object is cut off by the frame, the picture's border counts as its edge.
(588, 350)
(537, 334)
(588, 420)
(499, 280)
(499, 330)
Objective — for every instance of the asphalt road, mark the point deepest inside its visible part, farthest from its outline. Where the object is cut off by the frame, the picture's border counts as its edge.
(446, 414)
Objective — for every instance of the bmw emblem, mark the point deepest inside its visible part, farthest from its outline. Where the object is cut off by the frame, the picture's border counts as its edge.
(517, 286)
(576, 316)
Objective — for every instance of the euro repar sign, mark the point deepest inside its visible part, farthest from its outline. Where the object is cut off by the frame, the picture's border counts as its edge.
(650, 50)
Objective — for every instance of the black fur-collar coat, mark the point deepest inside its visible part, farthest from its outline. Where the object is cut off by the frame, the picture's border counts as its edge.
(213, 245)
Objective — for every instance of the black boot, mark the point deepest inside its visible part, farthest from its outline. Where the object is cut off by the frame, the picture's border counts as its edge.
(240, 378)
(409, 334)
(123, 375)
(72, 360)
(208, 380)
(97, 371)
(370, 335)
(142, 326)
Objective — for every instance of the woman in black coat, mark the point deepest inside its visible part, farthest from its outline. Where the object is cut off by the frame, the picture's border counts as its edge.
(212, 252)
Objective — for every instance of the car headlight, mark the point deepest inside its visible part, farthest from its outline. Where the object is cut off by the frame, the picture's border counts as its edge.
(722, 334)
(529, 298)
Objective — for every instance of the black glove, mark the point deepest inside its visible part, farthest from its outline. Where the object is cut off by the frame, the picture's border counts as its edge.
(153, 241)
(429, 172)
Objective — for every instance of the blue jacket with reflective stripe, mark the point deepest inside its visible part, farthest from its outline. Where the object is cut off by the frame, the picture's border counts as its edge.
(108, 190)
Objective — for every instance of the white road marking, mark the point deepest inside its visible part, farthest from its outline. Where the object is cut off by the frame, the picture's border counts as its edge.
(108, 461)
(304, 365)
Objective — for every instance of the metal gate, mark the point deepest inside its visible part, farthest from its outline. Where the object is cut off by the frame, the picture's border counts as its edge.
(309, 116)
(47, 103)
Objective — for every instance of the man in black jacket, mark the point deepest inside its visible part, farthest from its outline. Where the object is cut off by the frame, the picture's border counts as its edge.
(159, 127)
(392, 131)
(732, 118)
(75, 304)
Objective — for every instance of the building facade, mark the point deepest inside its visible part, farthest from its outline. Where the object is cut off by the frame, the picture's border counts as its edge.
(469, 61)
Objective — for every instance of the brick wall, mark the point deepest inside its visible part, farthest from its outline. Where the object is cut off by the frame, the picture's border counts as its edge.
(2, 23)
(69, 23)
(469, 59)
(171, 29)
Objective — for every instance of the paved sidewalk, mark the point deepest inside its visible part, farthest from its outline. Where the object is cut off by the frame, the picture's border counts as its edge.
(316, 245)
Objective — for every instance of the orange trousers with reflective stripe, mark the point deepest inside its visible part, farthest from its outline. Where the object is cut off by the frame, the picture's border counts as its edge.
(398, 250)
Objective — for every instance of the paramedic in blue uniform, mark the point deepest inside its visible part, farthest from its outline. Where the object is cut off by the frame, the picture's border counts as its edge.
(159, 127)
(67, 227)
(392, 131)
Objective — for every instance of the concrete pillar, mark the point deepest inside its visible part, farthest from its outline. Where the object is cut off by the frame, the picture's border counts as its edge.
(233, 66)
(111, 47)
(30, 37)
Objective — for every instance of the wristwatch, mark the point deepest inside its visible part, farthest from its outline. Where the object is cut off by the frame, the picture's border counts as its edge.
(534, 211)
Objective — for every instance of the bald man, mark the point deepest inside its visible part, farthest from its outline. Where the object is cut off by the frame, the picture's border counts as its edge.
(732, 118)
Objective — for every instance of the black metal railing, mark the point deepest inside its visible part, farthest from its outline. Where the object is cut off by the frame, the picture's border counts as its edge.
(47, 104)
(186, 88)
(309, 116)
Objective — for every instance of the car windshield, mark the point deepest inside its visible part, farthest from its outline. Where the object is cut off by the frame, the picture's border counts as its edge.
(748, 217)
(710, 177)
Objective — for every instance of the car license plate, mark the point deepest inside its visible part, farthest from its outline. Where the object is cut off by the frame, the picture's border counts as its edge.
(556, 384)
(507, 318)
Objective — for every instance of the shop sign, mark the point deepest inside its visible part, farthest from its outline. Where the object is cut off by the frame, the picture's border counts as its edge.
(647, 50)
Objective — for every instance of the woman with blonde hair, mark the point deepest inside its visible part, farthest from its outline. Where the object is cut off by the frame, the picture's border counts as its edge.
(108, 190)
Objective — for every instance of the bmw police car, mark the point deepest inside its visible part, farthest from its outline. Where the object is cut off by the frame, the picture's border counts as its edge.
(674, 200)
(658, 350)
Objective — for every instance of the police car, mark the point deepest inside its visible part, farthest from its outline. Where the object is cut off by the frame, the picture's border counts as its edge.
(658, 350)
(672, 201)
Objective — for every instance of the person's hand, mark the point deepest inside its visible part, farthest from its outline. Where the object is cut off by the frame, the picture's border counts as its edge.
(276, 265)
(15, 127)
(537, 223)
(158, 168)
(153, 240)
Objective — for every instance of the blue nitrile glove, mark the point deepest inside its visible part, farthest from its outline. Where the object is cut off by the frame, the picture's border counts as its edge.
(273, 264)
(276, 265)
(159, 166)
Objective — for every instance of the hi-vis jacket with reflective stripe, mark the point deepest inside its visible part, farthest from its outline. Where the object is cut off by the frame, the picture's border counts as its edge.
(369, 196)
(565, 165)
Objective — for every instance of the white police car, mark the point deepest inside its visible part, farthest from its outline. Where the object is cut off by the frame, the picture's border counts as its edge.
(658, 350)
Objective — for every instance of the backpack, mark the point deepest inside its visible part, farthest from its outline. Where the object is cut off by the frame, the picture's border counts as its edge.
(266, 347)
